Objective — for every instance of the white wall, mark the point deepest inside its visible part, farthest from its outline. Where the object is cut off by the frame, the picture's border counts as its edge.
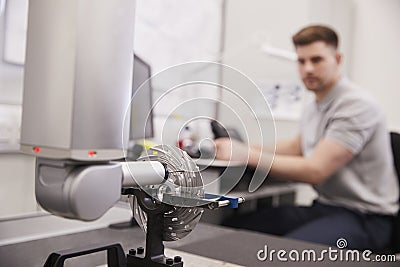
(169, 33)
(369, 34)
(16, 184)
(16, 170)
(249, 25)
(376, 53)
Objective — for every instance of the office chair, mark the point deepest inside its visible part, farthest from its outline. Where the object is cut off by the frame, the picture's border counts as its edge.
(395, 142)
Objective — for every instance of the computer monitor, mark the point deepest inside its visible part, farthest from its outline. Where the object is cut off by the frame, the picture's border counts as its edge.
(141, 106)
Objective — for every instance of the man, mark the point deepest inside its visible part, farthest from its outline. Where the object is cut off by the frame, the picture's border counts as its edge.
(343, 150)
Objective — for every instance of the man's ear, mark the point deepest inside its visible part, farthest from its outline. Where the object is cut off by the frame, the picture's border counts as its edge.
(339, 58)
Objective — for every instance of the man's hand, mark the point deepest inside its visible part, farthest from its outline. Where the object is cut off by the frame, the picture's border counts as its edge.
(231, 150)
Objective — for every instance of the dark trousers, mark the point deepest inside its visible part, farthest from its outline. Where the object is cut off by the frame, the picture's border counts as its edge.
(320, 223)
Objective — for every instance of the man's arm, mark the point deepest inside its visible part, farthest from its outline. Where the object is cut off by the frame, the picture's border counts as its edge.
(289, 147)
(328, 157)
(283, 147)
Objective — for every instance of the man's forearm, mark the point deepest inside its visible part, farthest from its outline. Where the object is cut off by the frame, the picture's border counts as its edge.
(294, 168)
(297, 169)
(328, 157)
(283, 147)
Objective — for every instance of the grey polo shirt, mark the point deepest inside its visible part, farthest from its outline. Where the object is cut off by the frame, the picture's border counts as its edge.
(368, 182)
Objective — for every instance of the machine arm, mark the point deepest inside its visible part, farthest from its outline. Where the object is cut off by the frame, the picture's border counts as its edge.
(86, 191)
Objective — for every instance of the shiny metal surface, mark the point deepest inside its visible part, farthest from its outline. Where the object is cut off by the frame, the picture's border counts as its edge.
(185, 181)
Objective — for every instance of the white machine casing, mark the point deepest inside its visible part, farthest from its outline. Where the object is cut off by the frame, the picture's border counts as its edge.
(77, 90)
(78, 76)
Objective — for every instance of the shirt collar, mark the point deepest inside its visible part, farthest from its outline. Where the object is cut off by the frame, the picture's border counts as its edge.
(328, 99)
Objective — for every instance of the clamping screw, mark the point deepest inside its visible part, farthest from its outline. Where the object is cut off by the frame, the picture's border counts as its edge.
(177, 259)
(169, 261)
(140, 250)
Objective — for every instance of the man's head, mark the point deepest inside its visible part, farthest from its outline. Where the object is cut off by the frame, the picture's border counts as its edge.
(318, 58)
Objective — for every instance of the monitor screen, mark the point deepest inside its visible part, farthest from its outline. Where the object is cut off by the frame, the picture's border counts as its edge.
(141, 105)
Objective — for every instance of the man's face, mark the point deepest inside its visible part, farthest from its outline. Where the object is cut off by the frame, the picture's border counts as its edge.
(318, 65)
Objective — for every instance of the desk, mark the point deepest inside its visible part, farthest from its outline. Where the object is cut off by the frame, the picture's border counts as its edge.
(234, 246)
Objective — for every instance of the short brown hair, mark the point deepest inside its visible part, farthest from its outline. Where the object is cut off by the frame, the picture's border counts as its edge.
(314, 33)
